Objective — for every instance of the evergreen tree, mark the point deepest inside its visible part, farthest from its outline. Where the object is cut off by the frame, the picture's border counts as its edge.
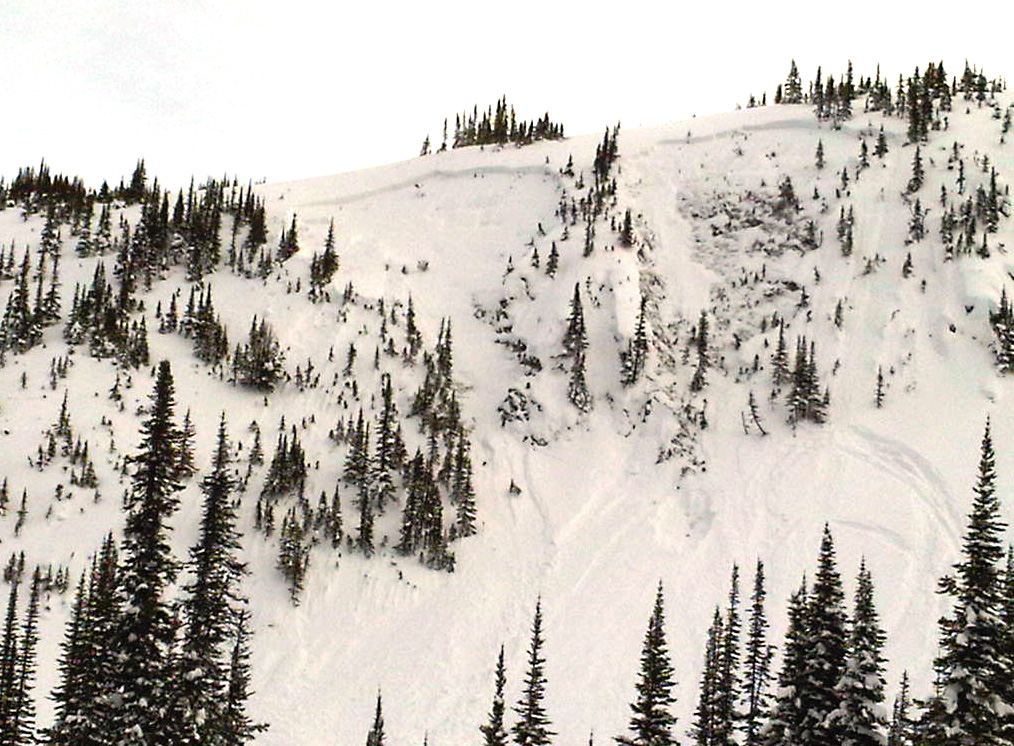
(9, 664)
(780, 360)
(880, 150)
(493, 732)
(900, 732)
(462, 491)
(824, 663)
(212, 603)
(577, 388)
(575, 339)
(553, 262)
(634, 358)
(388, 457)
(376, 735)
(861, 688)
(260, 363)
(146, 630)
(532, 727)
(757, 664)
(699, 380)
(293, 554)
(784, 727)
(705, 717)
(728, 680)
(972, 669)
(185, 467)
(918, 176)
(87, 696)
(792, 93)
(20, 723)
(652, 722)
(236, 726)
(289, 242)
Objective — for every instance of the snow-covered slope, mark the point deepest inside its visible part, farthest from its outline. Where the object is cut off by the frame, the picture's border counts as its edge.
(609, 502)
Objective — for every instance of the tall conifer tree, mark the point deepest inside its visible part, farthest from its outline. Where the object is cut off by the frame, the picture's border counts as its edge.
(532, 727)
(972, 668)
(860, 714)
(652, 721)
(757, 664)
(146, 633)
(493, 732)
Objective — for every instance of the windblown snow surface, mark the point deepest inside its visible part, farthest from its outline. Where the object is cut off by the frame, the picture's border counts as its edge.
(612, 501)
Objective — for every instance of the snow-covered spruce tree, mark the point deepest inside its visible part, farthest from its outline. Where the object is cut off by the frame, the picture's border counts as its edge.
(389, 455)
(728, 682)
(18, 723)
(287, 472)
(972, 670)
(901, 729)
(860, 714)
(288, 243)
(784, 727)
(824, 662)
(632, 359)
(652, 721)
(577, 387)
(575, 338)
(236, 726)
(9, 662)
(462, 490)
(259, 363)
(532, 727)
(493, 731)
(804, 399)
(213, 600)
(143, 712)
(756, 664)
(293, 554)
(1007, 621)
(186, 467)
(780, 361)
(86, 693)
(793, 91)
(1002, 322)
(703, 730)
(356, 471)
(322, 268)
(918, 176)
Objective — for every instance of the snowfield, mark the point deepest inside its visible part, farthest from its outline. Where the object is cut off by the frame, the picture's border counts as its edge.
(606, 503)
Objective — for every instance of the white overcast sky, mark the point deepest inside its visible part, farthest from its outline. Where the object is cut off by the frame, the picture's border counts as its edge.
(295, 88)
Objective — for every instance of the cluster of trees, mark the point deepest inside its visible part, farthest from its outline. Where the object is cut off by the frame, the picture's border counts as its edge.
(324, 266)
(805, 399)
(199, 323)
(29, 312)
(920, 98)
(34, 189)
(961, 220)
(1002, 322)
(497, 126)
(138, 665)
(186, 232)
(378, 468)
